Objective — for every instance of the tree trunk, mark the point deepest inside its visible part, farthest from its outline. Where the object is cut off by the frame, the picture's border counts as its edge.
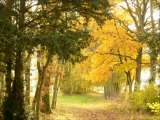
(1, 87)
(8, 74)
(138, 70)
(45, 98)
(55, 92)
(35, 99)
(153, 63)
(27, 80)
(7, 109)
(18, 110)
(18, 89)
(41, 72)
(46, 102)
(37, 107)
(107, 91)
(27, 84)
(129, 81)
(153, 49)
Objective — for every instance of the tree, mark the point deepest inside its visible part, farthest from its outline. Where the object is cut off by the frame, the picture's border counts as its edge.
(114, 49)
(141, 14)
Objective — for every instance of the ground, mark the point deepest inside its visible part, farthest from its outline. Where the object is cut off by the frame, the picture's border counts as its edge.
(94, 107)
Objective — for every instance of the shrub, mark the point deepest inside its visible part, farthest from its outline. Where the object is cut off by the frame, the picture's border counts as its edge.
(139, 100)
(155, 107)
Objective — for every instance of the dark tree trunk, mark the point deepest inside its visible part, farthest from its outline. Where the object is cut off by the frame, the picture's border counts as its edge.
(153, 63)
(46, 101)
(153, 48)
(8, 74)
(18, 110)
(55, 92)
(7, 109)
(18, 90)
(138, 70)
(129, 81)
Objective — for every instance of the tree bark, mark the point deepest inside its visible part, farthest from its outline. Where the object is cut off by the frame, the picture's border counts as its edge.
(153, 63)
(27, 80)
(107, 91)
(138, 70)
(1, 87)
(7, 109)
(153, 50)
(18, 89)
(8, 74)
(37, 107)
(55, 92)
(129, 81)
(41, 72)
(45, 98)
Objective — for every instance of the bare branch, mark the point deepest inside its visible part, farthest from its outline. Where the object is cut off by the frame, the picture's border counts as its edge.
(131, 13)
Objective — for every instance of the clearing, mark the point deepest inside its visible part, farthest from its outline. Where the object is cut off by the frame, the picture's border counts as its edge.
(94, 107)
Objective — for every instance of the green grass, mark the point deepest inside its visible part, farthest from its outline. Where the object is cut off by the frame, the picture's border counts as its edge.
(78, 99)
(84, 101)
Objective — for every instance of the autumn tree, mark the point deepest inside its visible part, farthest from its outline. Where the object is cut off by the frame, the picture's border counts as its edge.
(141, 13)
(116, 50)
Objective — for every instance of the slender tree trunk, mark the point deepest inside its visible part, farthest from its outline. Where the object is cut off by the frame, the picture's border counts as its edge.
(129, 81)
(1, 87)
(55, 92)
(35, 99)
(116, 88)
(41, 72)
(105, 92)
(27, 85)
(37, 107)
(108, 91)
(36, 94)
(46, 101)
(46, 98)
(27, 80)
(8, 74)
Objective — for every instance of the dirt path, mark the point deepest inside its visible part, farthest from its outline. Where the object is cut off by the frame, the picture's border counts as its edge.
(76, 113)
(93, 114)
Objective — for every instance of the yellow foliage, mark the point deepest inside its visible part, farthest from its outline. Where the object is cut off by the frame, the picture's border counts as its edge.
(113, 48)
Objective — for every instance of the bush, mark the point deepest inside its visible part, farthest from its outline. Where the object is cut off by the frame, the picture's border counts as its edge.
(155, 107)
(139, 100)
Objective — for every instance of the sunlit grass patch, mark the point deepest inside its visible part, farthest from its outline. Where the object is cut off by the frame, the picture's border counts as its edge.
(87, 101)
